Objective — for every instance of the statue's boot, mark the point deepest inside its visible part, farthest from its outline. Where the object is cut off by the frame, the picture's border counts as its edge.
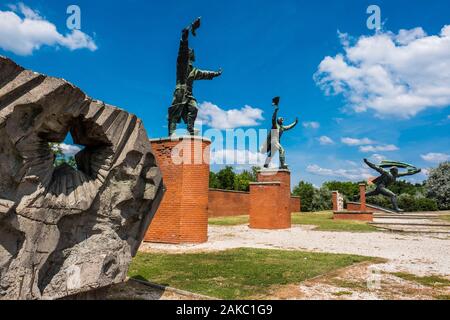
(283, 164)
(268, 160)
(172, 128)
(395, 205)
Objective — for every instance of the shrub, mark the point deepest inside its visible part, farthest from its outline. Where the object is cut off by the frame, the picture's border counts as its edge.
(438, 185)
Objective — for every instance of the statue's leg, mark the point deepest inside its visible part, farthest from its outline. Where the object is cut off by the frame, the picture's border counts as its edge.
(282, 152)
(268, 160)
(191, 116)
(388, 193)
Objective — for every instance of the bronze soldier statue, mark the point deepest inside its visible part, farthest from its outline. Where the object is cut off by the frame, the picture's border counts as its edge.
(387, 178)
(273, 143)
(184, 104)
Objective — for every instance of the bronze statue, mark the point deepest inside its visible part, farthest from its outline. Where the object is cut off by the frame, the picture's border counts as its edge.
(388, 177)
(273, 143)
(184, 104)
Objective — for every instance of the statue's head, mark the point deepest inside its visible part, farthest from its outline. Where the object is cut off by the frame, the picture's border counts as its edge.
(280, 121)
(191, 56)
(394, 171)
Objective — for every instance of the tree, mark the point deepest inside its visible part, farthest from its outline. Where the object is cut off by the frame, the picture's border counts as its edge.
(438, 185)
(242, 181)
(226, 178)
(349, 189)
(213, 181)
(60, 157)
(305, 191)
(321, 200)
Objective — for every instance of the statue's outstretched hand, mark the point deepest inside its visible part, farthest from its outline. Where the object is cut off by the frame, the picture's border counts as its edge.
(219, 72)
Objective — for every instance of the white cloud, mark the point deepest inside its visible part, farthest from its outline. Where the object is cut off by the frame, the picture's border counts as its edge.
(69, 150)
(435, 157)
(23, 30)
(217, 118)
(324, 140)
(356, 142)
(311, 125)
(237, 157)
(393, 74)
(356, 174)
(385, 148)
(378, 157)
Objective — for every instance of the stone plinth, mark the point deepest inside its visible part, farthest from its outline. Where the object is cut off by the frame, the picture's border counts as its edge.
(354, 215)
(183, 214)
(270, 200)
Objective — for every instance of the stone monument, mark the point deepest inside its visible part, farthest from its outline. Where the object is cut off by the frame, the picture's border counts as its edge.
(66, 230)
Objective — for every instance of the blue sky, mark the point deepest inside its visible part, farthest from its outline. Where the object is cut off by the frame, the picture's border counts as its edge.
(268, 48)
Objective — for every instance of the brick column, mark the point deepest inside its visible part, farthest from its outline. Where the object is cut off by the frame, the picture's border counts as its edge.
(183, 214)
(362, 195)
(335, 200)
(270, 200)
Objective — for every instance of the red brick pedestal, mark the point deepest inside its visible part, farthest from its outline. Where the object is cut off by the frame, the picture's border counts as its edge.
(270, 200)
(352, 213)
(183, 214)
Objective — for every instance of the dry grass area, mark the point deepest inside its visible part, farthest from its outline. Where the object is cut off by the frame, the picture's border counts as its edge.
(365, 282)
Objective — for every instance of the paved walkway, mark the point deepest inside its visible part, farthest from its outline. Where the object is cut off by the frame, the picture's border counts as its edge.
(421, 254)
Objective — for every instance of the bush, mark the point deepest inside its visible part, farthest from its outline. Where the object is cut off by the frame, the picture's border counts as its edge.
(305, 191)
(438, 185)
(406, 202)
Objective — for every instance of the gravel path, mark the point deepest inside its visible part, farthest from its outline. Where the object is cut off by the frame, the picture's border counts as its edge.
(421, 254)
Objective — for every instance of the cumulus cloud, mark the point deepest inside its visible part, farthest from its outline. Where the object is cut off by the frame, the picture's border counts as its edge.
(311, 125)
(435, 157)
(69, 150)
(217, 118)
(354, 174)
(378, 157)
(237, 157)
(387, 147)
(392, 74)
(324, 140)
(356, 142)
(23, 30)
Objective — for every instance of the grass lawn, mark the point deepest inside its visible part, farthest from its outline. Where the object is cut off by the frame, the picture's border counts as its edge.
(429, 281)
(228, 221)
(323, 220)
(238, 273)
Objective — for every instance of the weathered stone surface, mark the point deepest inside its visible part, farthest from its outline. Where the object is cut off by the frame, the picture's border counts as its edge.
(65, 230)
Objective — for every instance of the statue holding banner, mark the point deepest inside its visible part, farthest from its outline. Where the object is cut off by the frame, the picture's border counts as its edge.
(184, 104)
(273, 144)
(388, 177)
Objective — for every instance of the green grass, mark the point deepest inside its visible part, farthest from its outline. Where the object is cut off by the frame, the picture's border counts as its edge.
(342, 293)
(323, 220)
(237, 273)
(429, 281)
(229, 221)
(442, 297)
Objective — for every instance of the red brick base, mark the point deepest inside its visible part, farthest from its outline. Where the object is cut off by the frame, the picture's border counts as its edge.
(354, 215)
(270, 200)
(183, 214)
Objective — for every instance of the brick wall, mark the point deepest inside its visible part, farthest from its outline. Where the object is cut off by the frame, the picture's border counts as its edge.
(224, 203)
(295, 204)
(182, 216)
